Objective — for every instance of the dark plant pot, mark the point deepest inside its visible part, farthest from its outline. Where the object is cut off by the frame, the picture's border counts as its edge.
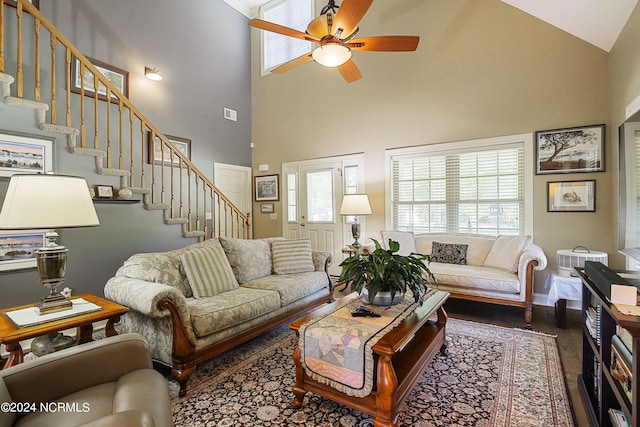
(382, 298)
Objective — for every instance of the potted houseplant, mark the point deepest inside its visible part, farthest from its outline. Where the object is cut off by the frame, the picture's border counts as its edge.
(385, 271)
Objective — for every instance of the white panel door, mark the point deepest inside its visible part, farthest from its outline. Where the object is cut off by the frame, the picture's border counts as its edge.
(312, 194)
(235, 183)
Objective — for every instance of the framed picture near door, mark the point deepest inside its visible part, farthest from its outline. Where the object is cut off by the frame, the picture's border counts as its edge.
(266, 188)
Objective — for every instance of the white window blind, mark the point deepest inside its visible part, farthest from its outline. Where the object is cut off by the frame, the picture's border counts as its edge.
(276, 48)
(473, 190)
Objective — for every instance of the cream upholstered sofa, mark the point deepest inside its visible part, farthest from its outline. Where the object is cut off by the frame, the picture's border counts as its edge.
(478, 267)
(109, 382)
(199, 301)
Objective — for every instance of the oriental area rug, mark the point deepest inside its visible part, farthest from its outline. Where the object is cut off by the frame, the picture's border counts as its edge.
(490, 376)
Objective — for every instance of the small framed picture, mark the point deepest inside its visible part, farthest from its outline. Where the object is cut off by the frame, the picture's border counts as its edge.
(266, 208)
(571, 196)
(266, 188)
(570, 150)
(104, 191)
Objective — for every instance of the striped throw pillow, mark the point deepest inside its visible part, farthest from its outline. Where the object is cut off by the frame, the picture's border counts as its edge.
(292, 256)
(208, 271)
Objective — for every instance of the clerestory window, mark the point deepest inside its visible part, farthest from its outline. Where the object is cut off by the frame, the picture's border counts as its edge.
(276, 48)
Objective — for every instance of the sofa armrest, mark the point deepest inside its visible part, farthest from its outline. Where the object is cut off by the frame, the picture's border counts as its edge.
(321, 260)
(143, 296)
(67, 371)
(532, 253)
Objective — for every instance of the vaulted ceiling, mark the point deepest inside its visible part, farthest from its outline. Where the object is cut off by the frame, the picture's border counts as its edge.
(598, 22)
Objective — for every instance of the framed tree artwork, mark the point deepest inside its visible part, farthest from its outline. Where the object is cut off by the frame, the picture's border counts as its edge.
(570, 150)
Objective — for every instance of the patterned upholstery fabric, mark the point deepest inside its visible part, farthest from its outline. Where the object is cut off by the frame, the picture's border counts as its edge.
(292, 256)
(249, 259)
(449, 253)
(157, 268)
(291, 287)
(208, 271)
(231, 308)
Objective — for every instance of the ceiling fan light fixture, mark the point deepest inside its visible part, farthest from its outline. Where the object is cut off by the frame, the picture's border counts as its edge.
(331, 55)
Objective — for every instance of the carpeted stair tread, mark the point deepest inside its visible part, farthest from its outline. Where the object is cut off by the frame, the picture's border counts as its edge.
(87, 152)
(172, 221)
(112, 172)
(25, 103)
(156, 206)
(59, 129)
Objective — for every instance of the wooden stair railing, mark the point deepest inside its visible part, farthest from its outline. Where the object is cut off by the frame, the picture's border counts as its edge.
(108, 126)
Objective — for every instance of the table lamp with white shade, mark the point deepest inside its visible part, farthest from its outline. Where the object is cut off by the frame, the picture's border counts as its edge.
(48, 202)
(355, 204)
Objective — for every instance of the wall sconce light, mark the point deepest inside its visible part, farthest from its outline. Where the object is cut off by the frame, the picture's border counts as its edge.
(152, 74)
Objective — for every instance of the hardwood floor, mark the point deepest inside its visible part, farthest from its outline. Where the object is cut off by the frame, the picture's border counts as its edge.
(569, 339)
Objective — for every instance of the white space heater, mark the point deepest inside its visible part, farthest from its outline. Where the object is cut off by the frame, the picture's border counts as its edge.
(569, 258)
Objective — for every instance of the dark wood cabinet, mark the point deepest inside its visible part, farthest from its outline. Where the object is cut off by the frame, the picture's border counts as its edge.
(600, 383)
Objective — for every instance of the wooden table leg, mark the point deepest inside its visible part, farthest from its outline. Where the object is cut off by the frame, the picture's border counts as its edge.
(111, 329)
(85, 332)
(298, 387)
(385, 399)
(561, 313)
(16, 355)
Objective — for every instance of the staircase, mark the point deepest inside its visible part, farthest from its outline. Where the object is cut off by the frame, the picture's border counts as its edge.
(100, 122)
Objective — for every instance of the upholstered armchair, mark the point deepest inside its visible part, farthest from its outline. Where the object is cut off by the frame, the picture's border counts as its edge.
(109, 382)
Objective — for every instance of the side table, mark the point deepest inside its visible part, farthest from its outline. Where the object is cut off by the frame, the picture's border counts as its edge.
(11, 334)
(347, 251)
(562, 289)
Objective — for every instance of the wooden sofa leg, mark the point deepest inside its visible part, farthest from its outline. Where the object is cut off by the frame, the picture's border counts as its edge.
(182, 371)
(528, 313)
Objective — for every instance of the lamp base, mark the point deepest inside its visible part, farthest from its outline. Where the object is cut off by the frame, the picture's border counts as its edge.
(52, 304)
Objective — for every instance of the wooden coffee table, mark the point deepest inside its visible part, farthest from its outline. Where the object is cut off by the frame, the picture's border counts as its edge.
(11, 334)
(401, 356)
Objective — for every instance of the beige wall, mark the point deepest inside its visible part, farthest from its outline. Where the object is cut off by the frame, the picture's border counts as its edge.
(482, 69)
(625, 88)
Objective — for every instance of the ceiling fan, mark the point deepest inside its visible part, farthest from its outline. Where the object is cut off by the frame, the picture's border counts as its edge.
(334, 33)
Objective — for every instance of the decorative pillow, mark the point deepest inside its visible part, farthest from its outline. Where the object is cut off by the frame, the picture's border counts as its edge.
(506, 252)
(249, 259)
(449, 253)
(292, 256)
(406, 239)
(208, 271)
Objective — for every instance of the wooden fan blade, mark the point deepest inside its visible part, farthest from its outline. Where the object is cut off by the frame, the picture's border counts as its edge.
(348, 17)
(292, 64)
(286, 31)
(350, 71)
(385, 43)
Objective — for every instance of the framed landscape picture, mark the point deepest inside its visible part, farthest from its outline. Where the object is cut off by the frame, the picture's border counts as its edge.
(155, 150)
(266, 188)
(25, 154)
(17, 249)
(571, 196)
(117, 76)
(570, 150)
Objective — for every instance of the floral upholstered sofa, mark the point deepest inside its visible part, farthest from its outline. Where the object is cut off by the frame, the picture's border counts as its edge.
(199, 301)
(495, 269)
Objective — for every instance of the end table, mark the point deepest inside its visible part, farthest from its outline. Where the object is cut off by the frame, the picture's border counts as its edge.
(11, 334)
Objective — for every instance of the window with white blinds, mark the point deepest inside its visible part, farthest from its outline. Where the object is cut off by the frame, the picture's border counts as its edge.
(276, 48)
(477, 188)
